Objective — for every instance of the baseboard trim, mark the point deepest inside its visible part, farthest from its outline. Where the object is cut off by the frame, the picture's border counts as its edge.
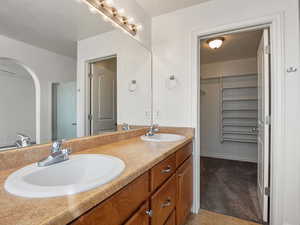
(229, 157)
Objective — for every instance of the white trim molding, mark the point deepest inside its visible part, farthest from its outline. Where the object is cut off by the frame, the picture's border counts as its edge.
(275, 24)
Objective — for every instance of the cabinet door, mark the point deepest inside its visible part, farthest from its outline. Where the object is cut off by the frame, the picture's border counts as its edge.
(184, 191)
(163, 202)
(120, 206)
(140, 217)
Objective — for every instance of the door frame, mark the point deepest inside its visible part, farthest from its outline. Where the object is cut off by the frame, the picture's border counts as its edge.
(87, 126)
(276, 26)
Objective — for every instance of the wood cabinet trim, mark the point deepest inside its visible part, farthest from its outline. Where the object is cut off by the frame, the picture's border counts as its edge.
(184, 153)
(172, 219)
(140, 217)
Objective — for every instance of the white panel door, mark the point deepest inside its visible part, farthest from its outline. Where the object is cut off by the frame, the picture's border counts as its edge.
(263, 122)
(103, 99)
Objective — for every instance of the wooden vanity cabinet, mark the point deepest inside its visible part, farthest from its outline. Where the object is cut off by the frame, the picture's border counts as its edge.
(184, 191)
(163, 202)
(120, 206)
(161, 196)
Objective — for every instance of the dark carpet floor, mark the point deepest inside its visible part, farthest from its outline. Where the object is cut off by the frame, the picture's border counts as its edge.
(230, 188)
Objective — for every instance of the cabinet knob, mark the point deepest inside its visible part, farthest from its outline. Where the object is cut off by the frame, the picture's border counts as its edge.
(149, 212)
(167, 203)
(168, 169)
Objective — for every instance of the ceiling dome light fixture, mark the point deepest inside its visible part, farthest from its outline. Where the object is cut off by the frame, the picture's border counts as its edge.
(215, 43)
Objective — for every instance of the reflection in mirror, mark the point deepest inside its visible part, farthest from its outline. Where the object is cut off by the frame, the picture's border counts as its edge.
(63, 110)
(103, 95)
(18, 105)
(84, 77)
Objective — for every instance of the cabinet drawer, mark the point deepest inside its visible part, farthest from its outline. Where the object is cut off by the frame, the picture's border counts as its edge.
(119, 207)
(162, 171)
(171, 219)
(163, 202)
(183, 153)
(140, 217)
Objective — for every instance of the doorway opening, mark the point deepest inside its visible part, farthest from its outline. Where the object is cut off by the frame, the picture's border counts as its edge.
(235, 124)
(63, 110)
(102, 115)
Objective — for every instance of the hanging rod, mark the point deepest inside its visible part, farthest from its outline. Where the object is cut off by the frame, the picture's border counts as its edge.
(240, 87)
(239, 132)
(239, 99)
(229, 110)
(239, 125)
(240, 140)
(226, 76)
(237, 117)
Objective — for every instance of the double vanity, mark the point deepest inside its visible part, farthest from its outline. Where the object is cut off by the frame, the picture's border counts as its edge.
(127, 178)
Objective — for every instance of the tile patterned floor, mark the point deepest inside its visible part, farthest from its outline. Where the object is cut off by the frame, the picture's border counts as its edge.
(210, 218)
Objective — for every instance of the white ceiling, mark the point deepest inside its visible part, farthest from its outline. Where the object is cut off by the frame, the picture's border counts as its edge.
(159, 7)
(55, 25)
(236, 46)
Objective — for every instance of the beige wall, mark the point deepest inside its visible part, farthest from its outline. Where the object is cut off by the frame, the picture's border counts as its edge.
(228, 68)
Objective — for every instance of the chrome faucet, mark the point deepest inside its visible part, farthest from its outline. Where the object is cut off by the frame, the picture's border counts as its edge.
(152, 130)
(125, 126)
(23, 140)
(57, 155)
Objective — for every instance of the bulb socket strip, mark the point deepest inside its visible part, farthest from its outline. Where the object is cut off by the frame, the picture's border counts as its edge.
(112, 13)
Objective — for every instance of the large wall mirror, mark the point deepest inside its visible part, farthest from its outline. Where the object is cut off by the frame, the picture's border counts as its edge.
(66, 73)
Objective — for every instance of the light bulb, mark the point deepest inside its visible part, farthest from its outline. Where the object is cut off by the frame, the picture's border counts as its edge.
(130, 20)
(109, 2)
(121, 11)
(92, 9)
(105, 18)
(215, 43)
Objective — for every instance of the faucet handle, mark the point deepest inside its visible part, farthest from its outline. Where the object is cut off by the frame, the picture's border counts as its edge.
(23, 136)
(125, 126)
(155, 127)
(67, 151)
(56, 146)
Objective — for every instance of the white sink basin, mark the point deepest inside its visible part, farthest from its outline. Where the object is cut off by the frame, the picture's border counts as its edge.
(162, 137)
(79, 173)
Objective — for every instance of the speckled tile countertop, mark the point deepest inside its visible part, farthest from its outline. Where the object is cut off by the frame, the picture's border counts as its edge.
(138, 156)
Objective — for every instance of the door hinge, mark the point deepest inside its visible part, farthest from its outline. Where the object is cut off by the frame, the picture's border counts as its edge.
(90, 116)
(268, 50)
(267, 191)
(268, 120)
(90, 75)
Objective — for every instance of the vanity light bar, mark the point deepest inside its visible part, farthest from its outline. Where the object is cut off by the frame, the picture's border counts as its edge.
(111, 13)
